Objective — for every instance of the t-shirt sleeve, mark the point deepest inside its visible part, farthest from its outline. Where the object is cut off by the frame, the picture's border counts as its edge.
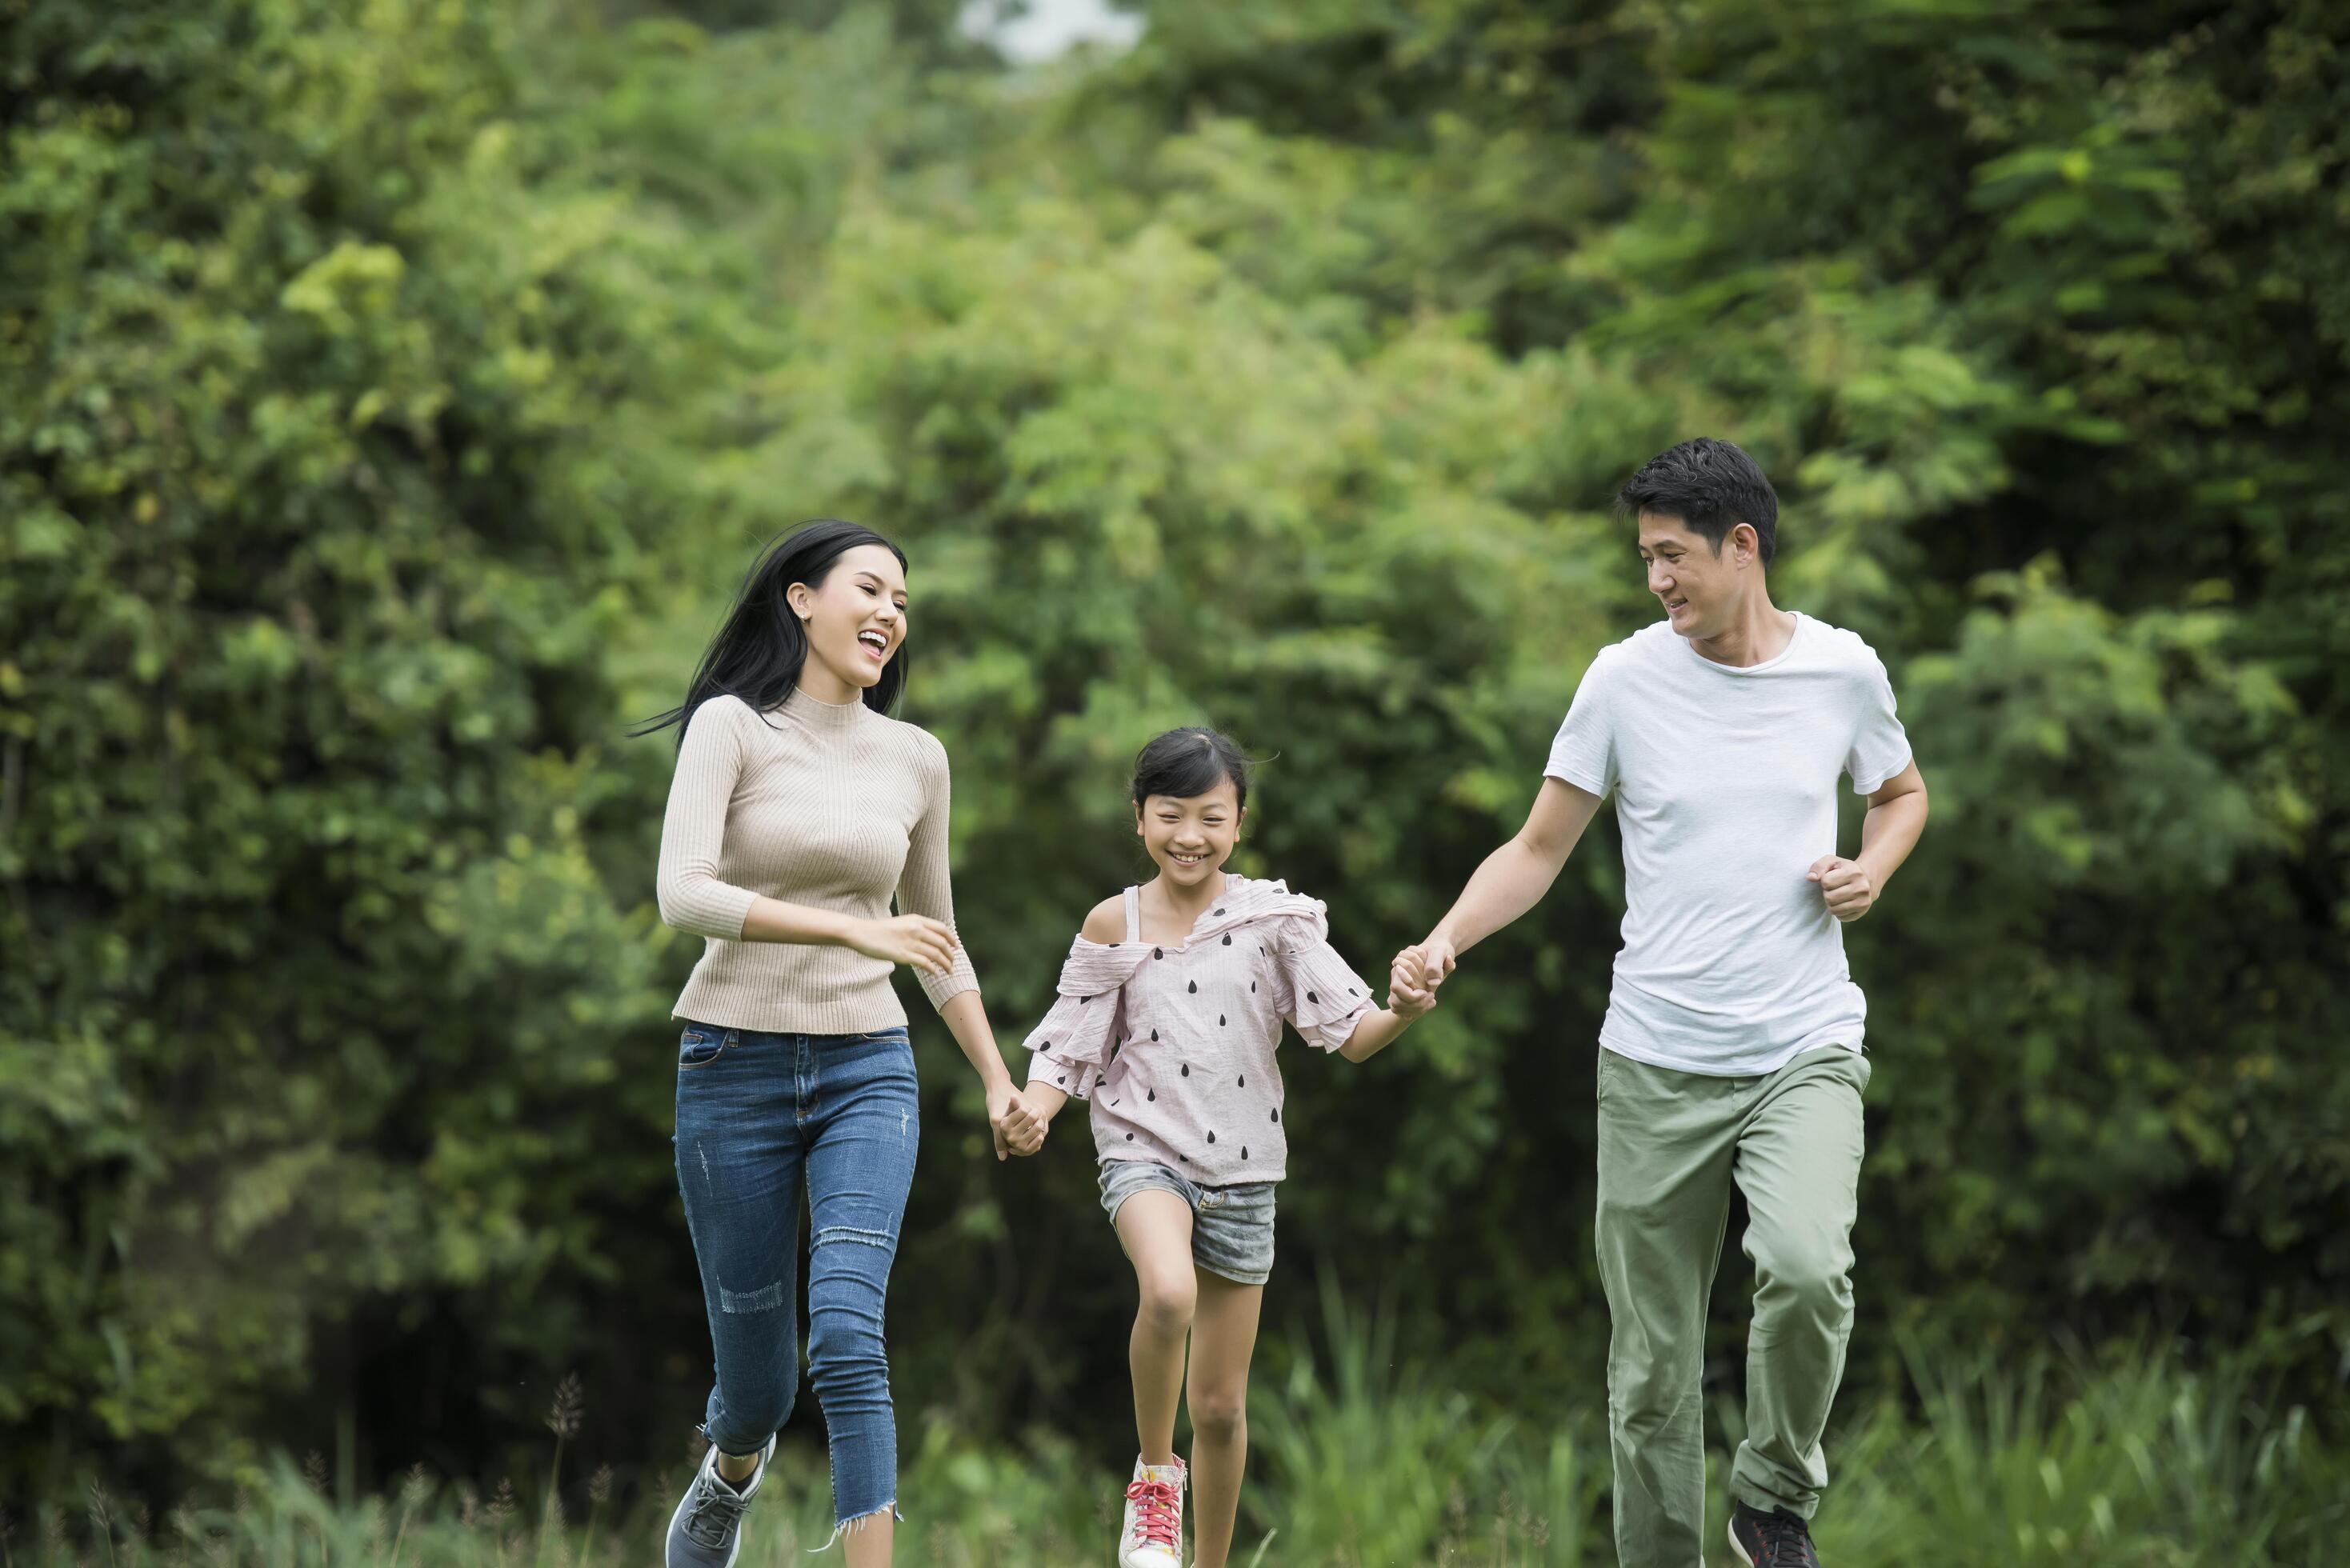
(1584, 753)
(1880, 748)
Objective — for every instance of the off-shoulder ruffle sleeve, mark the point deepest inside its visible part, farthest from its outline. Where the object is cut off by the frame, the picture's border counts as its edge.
(1320, 993)
(1071, 1048)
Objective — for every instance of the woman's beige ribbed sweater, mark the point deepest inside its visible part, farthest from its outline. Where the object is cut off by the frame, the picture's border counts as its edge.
(812, 803)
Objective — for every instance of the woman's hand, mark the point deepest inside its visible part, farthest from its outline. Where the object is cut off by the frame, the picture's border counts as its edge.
(927, 944)
(1407, 998)
(1012, 1121)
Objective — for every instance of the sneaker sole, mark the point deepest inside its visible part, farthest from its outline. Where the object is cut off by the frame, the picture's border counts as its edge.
(1734, 1546)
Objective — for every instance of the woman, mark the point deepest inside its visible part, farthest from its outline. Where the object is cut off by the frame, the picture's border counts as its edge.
(797, 808)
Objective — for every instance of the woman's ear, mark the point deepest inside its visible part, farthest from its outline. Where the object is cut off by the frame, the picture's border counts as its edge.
(801, 597)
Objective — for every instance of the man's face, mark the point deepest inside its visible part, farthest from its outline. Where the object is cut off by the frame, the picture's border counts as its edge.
(1699, 587)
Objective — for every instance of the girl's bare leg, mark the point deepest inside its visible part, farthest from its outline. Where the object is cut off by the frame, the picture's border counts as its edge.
(1224, 1338)
(1155, 1226)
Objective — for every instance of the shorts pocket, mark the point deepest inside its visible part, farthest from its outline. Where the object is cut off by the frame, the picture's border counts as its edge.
(699, 1047)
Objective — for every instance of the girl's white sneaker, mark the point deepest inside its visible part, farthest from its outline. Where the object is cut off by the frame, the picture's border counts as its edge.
(1153, 1535)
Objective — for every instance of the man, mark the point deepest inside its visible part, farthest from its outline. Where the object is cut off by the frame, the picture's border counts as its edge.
(1732, 1048)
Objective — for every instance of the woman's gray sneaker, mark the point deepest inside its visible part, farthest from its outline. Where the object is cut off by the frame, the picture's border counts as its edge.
(706, 1531)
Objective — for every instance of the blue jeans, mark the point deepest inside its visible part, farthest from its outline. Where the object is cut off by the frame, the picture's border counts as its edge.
(759, 1117)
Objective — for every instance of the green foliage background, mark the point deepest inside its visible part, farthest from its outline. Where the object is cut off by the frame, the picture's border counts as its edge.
(392, 392)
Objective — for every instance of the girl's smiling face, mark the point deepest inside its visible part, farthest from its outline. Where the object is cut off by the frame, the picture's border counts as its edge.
(1191, 838)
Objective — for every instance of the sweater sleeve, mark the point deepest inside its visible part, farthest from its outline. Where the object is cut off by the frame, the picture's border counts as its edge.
(1072, 1048)
(1316, 991)
(925, 886)
(692, 895)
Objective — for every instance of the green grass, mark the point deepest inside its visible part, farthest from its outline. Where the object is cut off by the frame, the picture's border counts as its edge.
(2136, 1460)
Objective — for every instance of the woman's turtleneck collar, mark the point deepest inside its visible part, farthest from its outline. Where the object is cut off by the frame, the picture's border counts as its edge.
(821, 715)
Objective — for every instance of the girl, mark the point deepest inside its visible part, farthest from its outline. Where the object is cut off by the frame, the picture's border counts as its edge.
(1171, 1004)
(799, 807)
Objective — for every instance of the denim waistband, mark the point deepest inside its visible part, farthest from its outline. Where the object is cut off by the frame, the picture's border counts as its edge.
(889, 1031)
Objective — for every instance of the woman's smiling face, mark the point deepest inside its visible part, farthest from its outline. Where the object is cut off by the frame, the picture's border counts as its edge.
(855, 617)
(1190, 839)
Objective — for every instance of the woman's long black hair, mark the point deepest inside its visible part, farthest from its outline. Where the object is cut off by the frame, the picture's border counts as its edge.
(758, 652)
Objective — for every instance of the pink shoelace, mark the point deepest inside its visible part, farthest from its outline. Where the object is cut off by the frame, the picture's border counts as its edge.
(1154, 1512)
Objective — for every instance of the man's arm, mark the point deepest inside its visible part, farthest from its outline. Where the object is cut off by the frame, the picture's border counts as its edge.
(1512, 880)
(1897, 816)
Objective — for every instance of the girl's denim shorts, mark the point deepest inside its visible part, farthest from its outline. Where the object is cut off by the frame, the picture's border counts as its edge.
(1232, 1227)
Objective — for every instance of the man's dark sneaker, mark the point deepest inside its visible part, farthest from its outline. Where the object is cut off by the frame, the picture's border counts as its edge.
(706, 1531)
(1774, 1540)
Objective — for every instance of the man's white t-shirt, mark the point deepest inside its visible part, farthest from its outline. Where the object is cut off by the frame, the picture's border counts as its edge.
(1725, 792)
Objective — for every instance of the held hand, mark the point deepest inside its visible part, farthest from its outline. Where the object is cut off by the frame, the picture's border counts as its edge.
(1844, 884)
(1430, 963)
(1405, 987)
(1406, 999)
(927, 944)
(1041, 1106)
(1013, 1122)
(1418, 972)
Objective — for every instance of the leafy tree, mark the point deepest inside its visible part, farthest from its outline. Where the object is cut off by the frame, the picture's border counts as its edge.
(315, 998)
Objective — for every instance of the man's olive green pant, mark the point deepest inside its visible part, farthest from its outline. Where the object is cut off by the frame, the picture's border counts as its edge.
(1670, 1144)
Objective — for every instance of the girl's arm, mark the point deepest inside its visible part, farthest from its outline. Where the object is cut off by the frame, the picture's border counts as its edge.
(1106, 923)
(1321, 993)
(1375, 1032)
(1045, 1101)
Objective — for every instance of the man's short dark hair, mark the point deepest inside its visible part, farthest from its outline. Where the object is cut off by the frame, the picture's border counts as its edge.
(1710, 485)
